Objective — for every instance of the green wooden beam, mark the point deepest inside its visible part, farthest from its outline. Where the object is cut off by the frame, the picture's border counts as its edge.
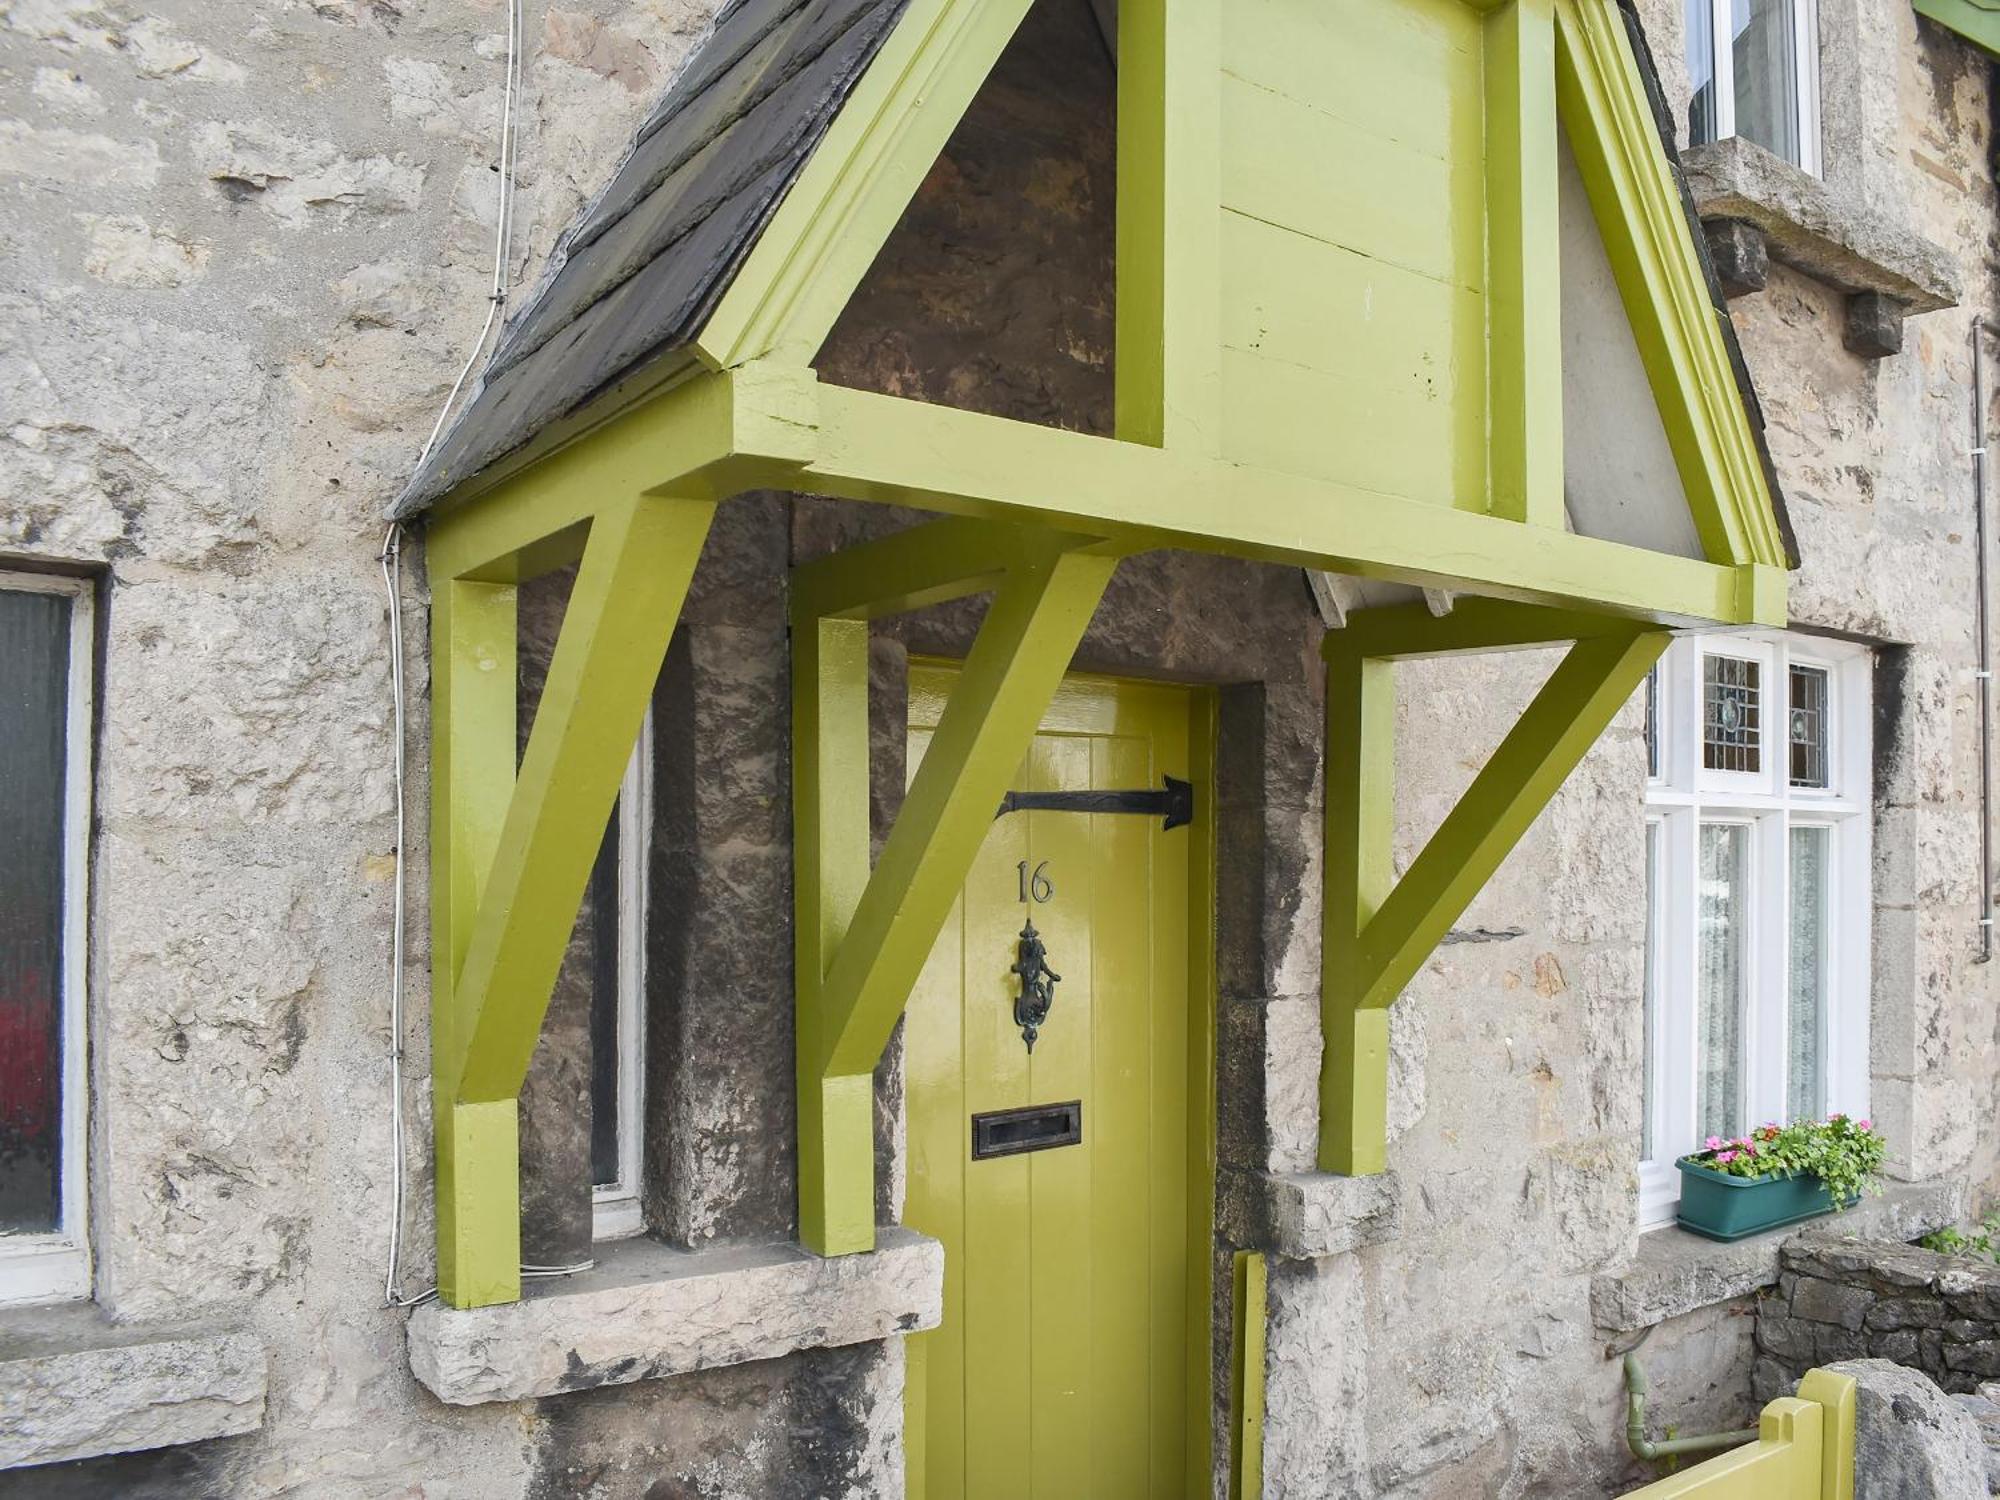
(1573, 708)
(837, 213)
(884, 448)
(1602, 103)
(1246, 1375)
(1360, 823)
(1524, 379)
(711, 436)
(628, 592)
(472, 778)
(1376, 936)
(1169, 320)
(1408, 632)
(862, 937)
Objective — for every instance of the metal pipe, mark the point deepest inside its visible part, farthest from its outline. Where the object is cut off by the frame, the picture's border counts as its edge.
(1983, 636)
(1646, 1448)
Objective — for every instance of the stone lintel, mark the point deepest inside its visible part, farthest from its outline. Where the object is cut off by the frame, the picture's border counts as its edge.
(647, 1311)
(73, 1384)
(1817, 230)
(1308, 1215)
(1676, 1272)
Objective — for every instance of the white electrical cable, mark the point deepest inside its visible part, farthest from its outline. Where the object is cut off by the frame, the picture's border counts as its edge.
(503, 224)
(392, 582)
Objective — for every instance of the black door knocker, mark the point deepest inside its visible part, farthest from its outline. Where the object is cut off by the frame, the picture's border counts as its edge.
(1038, 985)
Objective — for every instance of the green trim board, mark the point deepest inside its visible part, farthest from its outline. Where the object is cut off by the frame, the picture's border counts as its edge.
(1978, 21)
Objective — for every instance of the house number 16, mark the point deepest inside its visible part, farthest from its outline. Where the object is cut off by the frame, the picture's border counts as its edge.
(1036, 883)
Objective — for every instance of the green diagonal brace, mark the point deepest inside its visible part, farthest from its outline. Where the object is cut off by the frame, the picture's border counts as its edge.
(864, 937)
(1376, 942)
(634, 574)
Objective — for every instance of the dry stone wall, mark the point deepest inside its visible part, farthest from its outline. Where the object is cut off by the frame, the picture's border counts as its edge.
(1849, 1299)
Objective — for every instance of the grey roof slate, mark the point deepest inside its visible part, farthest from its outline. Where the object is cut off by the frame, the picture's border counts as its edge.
(639, 271)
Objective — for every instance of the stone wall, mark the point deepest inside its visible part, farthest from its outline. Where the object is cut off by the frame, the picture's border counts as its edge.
(1851, 1299)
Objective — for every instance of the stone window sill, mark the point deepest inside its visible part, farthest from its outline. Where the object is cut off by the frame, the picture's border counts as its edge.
(1676, 1272)
(1817, 229)
(646, 1311)
(1308, 1215)
(73, 1384)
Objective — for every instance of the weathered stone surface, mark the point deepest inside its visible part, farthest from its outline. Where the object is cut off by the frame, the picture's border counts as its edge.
(1737, 251)
(1911, 1438)
(1830, 1302)
(646, 1311)
(1307, 1215)
(1820, 229)
(1674, 1272)
(73, 1385)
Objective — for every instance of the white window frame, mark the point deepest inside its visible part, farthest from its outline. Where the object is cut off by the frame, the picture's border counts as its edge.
(1805, 83)
(615, 1211)
(56, 1267)
(1679, 801)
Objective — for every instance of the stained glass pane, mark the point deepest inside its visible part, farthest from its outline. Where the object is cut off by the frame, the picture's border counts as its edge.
(1731, 730)
(1805, 1020)
(1721, 909)
(1765, 56)
(34, 690)
(1703, 123)
(1809, 726)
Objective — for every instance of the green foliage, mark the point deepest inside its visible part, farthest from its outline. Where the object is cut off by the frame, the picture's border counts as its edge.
(1844, 1154)
(1983, 1242)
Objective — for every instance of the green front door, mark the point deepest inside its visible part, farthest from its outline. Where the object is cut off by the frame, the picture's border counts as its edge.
(1062, 1366)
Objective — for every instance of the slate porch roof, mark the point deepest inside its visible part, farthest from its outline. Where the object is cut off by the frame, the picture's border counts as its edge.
(639, 271)
(637, 274)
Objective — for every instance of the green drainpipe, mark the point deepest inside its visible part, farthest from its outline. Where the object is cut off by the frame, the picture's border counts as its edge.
(1635, 1424)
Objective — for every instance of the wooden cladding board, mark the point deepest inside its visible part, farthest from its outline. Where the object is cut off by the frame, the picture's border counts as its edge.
(1353, 308)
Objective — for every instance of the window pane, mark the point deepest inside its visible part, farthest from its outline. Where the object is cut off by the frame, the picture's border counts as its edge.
(1809, 726)
(605, 1059)
(1731, 714)
(1767, 74)
(1703, 126)
(1651, 1005)
(1722, 896)
(1805, 1020)
(34, 691)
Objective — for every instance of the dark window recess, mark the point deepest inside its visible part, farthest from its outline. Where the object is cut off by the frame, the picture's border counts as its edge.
(604, 1059)
(1009, 1132)
(34, 693)
(1731, 732)
(1653, 722)
(1809, 726)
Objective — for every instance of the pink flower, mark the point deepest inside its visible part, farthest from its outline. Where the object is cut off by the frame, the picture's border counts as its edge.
(1713, 1143)
(1748, 1149)
(1726, 1157)
(1864, 1125)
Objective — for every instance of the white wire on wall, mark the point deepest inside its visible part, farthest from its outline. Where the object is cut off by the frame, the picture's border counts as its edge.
(392, 582)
